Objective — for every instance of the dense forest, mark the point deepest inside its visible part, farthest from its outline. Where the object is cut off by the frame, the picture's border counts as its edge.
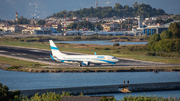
(119, 10)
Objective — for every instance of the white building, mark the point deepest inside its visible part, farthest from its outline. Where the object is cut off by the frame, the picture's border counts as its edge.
(13, 28)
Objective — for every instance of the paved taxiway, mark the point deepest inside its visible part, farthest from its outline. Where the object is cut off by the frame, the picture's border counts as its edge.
(43, 56)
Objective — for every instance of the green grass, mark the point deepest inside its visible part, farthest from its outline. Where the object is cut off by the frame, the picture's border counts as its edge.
(139, 55)
(27, 44)
(17, 62)
(150, 58)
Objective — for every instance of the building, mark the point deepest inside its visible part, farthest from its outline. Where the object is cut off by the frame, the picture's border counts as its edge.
(109, 26)
(68, 22)
(41, 30)
(36, 30)
(16, 16)
(152, 30)
(3, 24)
(13, 28)
(34, 21)
(95, 19)
(167, 24)
(140, 20)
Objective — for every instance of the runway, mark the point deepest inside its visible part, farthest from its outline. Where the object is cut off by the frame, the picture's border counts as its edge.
(43, 56)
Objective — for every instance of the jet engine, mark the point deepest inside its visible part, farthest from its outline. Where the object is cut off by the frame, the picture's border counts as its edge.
(85, 63)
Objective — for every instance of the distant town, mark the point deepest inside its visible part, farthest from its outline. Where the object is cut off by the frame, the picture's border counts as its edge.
(71, 26)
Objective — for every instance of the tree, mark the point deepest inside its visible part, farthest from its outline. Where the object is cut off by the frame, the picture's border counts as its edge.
(6, 95)
(22, 20)
(72, 26)
(118, 6)
(135, 6)
(159, 20)
(138, 9)
(154, 38)
(41, 22)
(176, 17)
(175, 29)
(177, 46)
(166, 34)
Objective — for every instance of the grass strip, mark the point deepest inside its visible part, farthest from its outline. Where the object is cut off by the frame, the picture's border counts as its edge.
(17, 62)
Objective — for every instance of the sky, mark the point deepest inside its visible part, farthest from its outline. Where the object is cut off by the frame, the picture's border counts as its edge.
(43, 8)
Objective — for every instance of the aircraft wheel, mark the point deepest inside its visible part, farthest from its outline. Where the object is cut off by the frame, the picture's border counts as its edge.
(88, 64)
(80, 65)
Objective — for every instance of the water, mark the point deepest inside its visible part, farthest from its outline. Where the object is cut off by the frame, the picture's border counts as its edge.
(102, 42)
(24, 80)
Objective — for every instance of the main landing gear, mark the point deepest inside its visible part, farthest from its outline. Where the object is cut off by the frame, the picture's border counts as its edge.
(80, 65)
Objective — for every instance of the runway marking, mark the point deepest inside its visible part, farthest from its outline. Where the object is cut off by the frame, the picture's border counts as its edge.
(46, 58)
(19, 54)
(2, 51)
(36, 50)
(24, 54)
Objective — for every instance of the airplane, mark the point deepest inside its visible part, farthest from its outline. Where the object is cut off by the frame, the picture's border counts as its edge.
(54, 32)
(130, 33)
(116, 33)
(80, 59)
(71, 33)
(87, 33)
(108, 33)
(100, 32)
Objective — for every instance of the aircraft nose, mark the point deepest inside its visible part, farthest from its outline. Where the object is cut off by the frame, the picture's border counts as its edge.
(117, 60)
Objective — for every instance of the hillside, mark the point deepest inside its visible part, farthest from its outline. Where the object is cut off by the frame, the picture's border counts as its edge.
(108, 11)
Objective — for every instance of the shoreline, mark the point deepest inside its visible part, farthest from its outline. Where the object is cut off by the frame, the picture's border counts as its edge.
(86, 70)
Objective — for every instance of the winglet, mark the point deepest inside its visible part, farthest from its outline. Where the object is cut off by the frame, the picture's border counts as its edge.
(95, 53)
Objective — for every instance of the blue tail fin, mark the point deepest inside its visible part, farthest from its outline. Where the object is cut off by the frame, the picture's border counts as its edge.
(53, 30)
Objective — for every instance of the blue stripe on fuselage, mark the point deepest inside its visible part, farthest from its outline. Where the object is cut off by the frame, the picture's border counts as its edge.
(108, 61)
(55, 48)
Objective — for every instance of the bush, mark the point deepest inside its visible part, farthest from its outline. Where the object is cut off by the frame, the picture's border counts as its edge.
(97, 48)
(131, 48)
(151, 53)
(116, 44)
(116, 51)
(141, 39)
(154, 38)
(106, 48)
(13, 67)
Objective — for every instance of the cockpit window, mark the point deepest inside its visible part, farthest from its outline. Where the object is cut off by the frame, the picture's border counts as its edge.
(113, 57)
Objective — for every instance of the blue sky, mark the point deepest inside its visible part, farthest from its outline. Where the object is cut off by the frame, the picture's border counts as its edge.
(43, 8)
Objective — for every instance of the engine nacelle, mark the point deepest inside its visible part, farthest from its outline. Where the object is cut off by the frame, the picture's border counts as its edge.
(85, 63)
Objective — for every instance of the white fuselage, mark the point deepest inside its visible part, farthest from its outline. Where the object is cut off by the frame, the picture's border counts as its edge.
(88, 58)
(81, 59)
